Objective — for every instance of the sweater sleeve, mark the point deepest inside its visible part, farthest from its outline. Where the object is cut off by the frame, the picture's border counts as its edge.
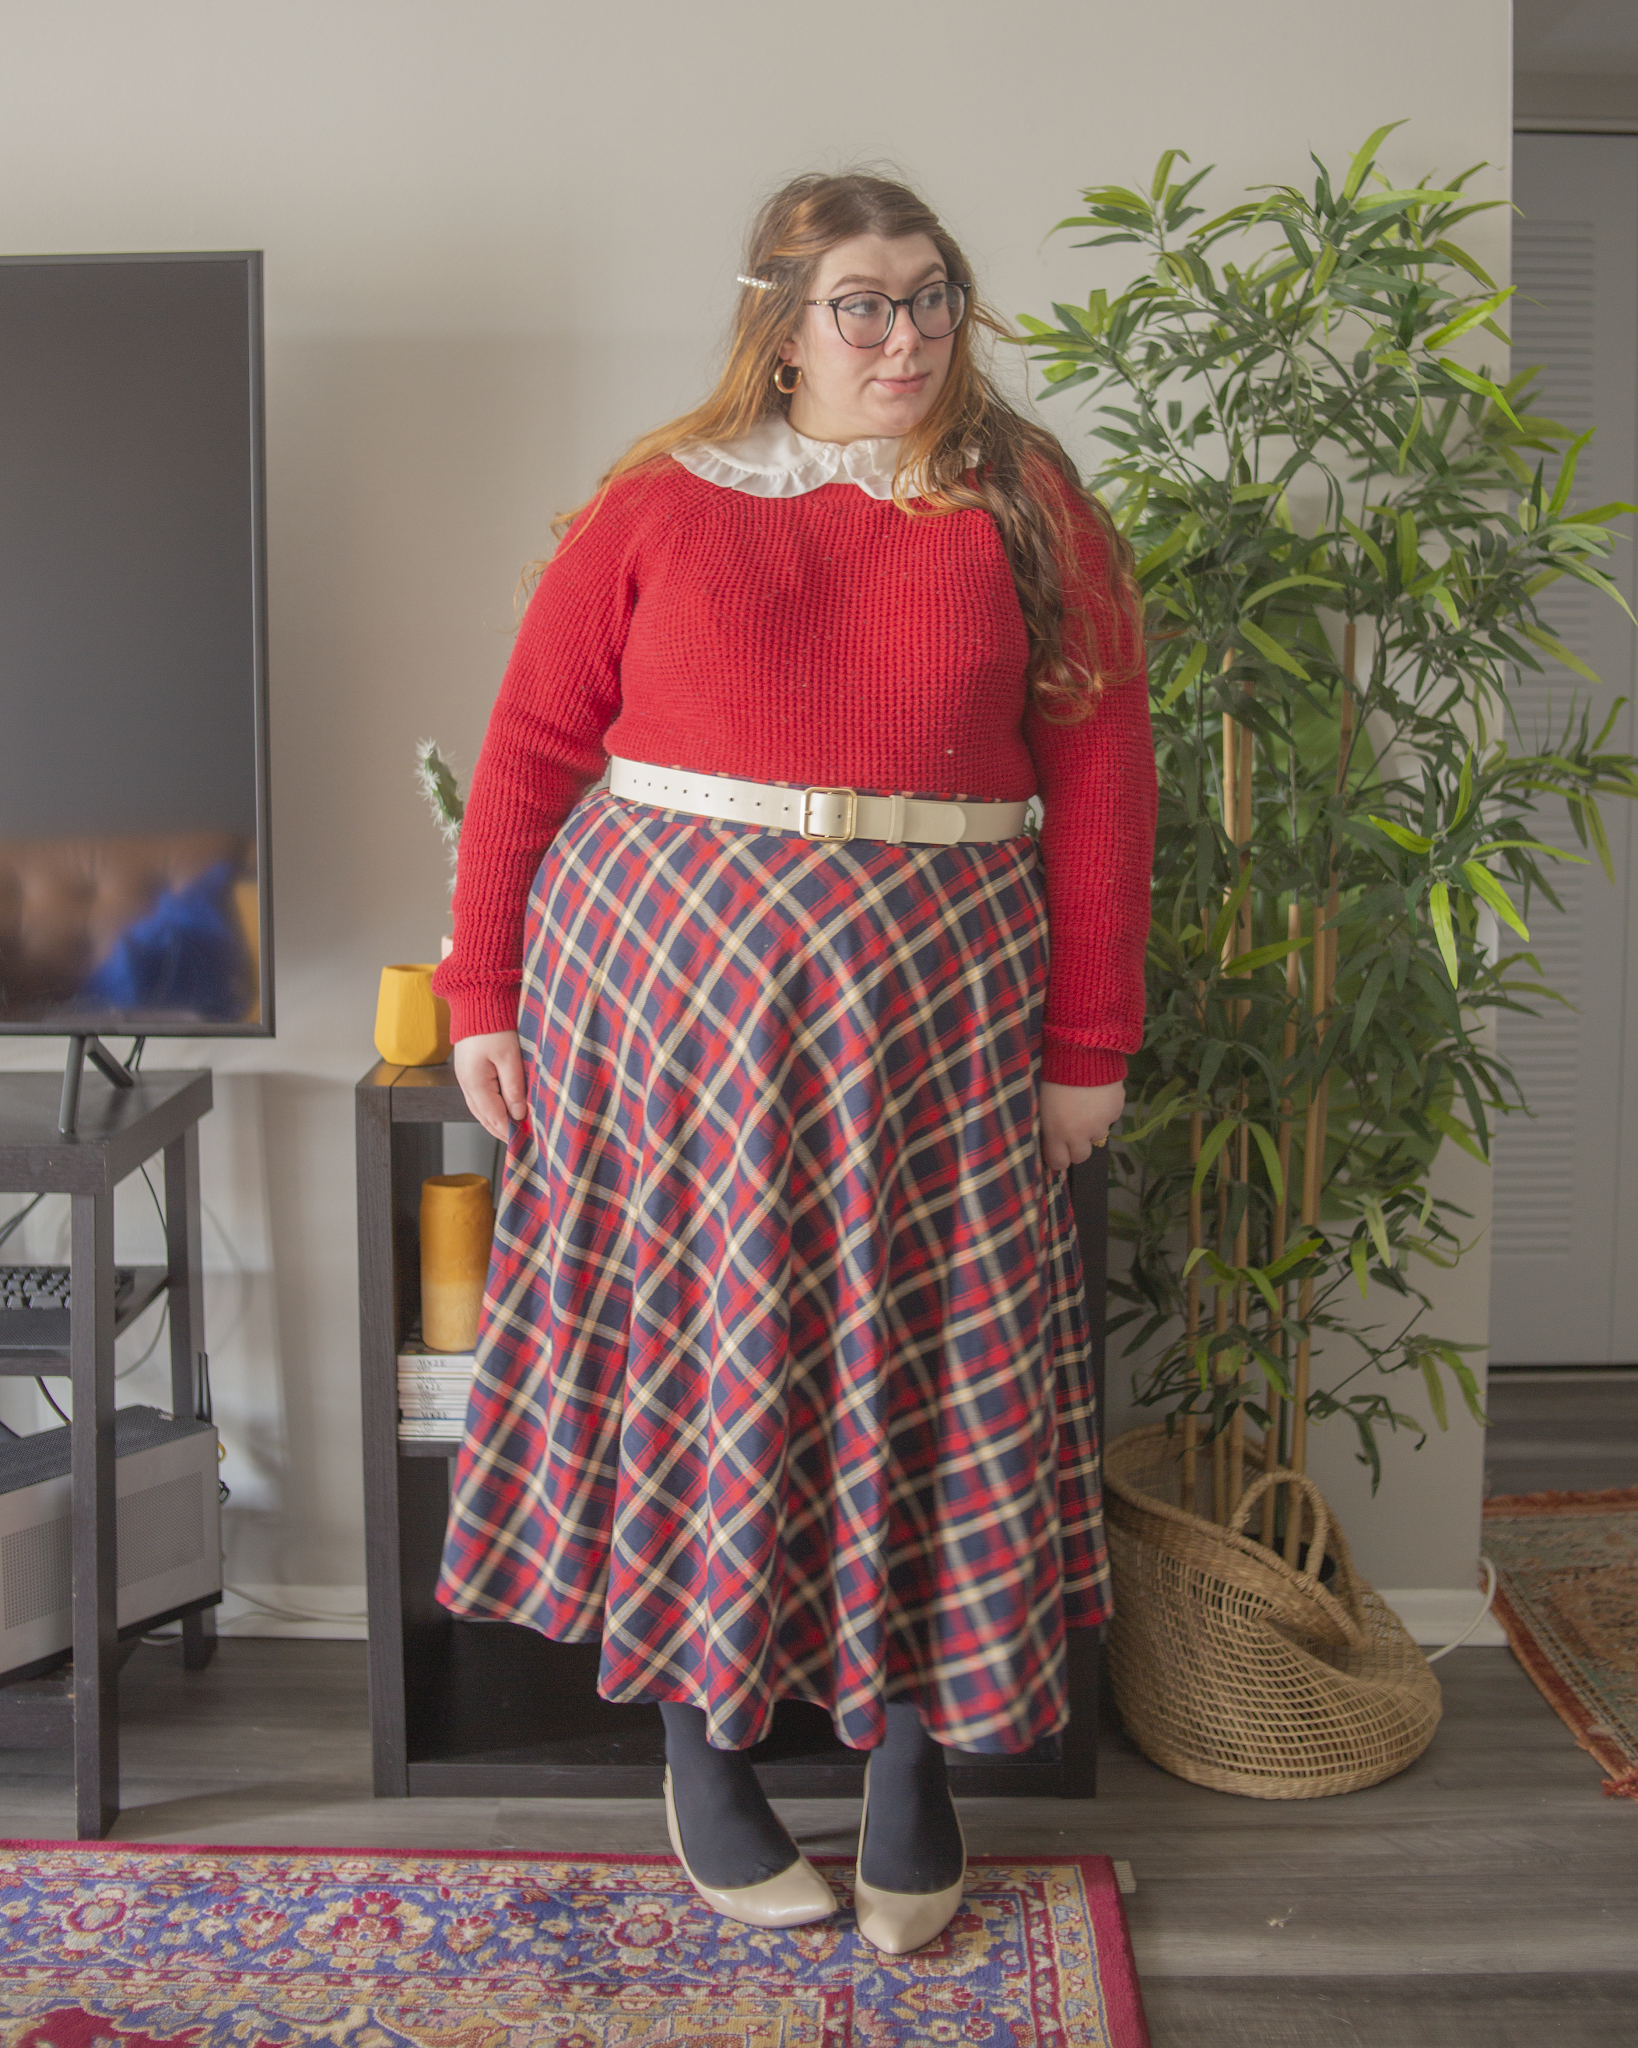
(542, 750)
(1097, 783)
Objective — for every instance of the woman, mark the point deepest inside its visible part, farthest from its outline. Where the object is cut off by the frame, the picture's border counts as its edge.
(784, 1388)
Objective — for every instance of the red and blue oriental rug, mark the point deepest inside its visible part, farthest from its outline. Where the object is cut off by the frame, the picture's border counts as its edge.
(1567, 1595)
(103, 1945)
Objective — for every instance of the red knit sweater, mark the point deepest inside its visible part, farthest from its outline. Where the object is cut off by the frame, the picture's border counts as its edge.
(827, 638)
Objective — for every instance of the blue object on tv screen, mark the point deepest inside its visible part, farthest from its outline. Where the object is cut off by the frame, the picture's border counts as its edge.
(187, 957)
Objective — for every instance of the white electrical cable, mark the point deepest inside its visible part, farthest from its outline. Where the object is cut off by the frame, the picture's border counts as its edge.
(285, 1613)
(1489, 1596)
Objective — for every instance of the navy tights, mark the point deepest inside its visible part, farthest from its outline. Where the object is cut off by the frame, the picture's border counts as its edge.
(732, 1837)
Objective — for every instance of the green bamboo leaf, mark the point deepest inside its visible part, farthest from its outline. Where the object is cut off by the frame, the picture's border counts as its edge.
(1453, 254)
(1473, 316)
(1436, 1389)
(1163, 170)
(1457, 1133)
(1271, 650)
(1463, 1373)
(1443, 930)
(1224, 920)
(1261, 956)
(1375, 982)
(1358, 1254)
(1484, 884)
(1178, 538)
(1566, 472)
(1417, 196)
(1185, 675)
(1409, 549)
(1401, 835)
(1377, 1223)
(1271, 1161)
(1550, 644)
(1293, 1255)
(1220, 1135)
(1464, 789)
(1288, 583)
(1364, 158)
(1165, 1107)
(1483, 387)
(1600, 840)
(1368, 547)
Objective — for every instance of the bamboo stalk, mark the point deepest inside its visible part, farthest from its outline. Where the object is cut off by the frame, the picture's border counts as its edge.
(1242, 1257)
(1313, 1171)
(1322, 976)
(1220, 1300)
(1276, 1235)
(1191, 1426)
(1239, 768)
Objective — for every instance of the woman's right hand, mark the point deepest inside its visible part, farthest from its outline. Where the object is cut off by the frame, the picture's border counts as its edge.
(489, 1068)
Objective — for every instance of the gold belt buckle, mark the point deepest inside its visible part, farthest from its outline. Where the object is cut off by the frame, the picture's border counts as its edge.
(809, 830)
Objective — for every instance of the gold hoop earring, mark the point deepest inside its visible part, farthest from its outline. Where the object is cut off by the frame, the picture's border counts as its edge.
(779, 378)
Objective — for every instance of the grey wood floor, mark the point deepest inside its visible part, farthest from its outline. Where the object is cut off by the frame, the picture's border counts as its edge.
(1485, 1898)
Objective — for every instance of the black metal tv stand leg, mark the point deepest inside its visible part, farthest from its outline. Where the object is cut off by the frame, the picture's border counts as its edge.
(83, 1046)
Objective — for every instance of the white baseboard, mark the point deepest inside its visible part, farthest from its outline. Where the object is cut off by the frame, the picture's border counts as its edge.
(324, 1613)
(1436, 1615)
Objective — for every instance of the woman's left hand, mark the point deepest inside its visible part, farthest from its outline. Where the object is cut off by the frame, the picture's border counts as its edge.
(1075, 1120)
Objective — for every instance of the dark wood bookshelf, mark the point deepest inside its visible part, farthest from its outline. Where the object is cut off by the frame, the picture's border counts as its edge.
(486, 1709)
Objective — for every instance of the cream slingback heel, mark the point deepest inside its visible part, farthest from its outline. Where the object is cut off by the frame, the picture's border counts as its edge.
(790, 1899)
(896, 1922)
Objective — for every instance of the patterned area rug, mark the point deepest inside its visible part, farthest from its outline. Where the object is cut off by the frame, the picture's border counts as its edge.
(108, 1946)
(1567, 1595)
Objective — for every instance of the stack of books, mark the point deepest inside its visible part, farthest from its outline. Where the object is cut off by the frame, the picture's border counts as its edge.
(432, 1393)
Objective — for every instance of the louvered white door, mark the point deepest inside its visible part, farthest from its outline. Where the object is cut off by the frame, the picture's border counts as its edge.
(1564, 1287)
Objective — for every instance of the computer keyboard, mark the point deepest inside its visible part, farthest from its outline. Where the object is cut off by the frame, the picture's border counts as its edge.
(35, 1301)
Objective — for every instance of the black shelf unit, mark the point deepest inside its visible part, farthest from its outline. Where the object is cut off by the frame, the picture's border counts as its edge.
(486, 1709)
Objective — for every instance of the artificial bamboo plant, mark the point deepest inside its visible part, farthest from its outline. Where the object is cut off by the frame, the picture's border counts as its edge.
(1343, 528)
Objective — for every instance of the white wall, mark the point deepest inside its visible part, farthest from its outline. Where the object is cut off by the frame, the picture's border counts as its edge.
(500, 240)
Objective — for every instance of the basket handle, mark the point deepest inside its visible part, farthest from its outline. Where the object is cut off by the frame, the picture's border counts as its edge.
(1347, 1593)
(1316, 1500)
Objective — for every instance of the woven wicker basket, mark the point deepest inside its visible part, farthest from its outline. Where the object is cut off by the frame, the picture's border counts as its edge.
(1233, 1669)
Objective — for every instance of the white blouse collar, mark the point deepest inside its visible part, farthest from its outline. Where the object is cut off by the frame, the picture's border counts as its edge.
(774, 461)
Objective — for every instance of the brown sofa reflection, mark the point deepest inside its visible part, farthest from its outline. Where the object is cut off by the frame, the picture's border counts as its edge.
(64, 904)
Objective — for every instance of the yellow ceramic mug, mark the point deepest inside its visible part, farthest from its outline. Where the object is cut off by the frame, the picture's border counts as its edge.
(457, 1229)
(411, 1023)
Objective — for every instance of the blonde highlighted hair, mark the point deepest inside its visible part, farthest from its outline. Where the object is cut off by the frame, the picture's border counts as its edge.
(973, 450)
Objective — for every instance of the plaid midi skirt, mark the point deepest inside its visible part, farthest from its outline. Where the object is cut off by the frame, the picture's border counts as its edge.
(784, 1383)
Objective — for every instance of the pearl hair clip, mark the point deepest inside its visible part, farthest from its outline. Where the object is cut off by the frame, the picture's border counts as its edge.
(759, 284)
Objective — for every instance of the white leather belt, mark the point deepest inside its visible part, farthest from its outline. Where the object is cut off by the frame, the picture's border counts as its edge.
(833, 816)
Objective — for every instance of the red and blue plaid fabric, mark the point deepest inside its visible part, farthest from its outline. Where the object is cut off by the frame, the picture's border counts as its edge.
(784, 1383)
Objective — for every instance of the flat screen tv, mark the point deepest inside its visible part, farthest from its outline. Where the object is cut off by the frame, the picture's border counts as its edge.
(134, 880)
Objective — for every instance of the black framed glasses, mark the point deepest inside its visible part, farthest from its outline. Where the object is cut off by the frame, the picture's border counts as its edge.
(865, 319)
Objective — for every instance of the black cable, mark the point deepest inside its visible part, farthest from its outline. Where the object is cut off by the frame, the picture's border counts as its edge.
(133, 1059)
(158, 1208)
(44, 1389)
(12, 1222)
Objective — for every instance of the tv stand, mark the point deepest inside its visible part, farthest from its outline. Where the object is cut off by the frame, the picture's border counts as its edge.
(152, 1112)
(83, 1046)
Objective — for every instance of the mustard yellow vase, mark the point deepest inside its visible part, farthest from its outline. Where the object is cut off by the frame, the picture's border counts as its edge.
(411, 1023)
(457, 1229)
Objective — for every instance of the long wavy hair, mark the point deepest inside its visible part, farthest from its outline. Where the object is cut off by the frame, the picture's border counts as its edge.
(937, 470)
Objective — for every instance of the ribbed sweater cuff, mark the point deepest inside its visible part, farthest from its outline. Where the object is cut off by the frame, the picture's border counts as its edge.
(476, 1011)
(1081, 1066)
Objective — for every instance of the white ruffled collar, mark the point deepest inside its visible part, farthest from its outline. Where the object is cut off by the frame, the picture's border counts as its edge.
(774, 461)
